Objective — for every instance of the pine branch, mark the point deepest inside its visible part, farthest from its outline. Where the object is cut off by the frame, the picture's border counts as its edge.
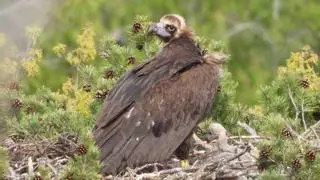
(246, 127)
(293, 103)
(302, 115)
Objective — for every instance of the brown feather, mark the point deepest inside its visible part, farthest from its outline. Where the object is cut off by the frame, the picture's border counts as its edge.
(154, 107)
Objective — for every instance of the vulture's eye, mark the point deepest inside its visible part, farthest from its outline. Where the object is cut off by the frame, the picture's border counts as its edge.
(171, 28)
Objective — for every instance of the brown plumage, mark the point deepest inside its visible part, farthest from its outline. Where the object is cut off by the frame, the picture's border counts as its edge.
(154, 107)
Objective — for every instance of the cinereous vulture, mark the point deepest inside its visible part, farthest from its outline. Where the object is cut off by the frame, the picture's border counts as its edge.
(153, 108)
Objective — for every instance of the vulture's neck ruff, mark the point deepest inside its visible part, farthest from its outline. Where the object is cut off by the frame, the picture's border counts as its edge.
(173, 31)
(182, 47)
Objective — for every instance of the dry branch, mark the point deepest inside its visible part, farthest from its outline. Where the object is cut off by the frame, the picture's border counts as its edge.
(26, 157)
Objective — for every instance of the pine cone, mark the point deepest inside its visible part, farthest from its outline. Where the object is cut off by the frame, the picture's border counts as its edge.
(264, 154)
(28, 109)
(81, 150)
(131, 60)
(310, 155)
(219, 89)
(285, 132)
(204, 52)
(136, 27)
(108, 74)
(17, 104)
(100, 95)
(86, 87)
(304, 83)
(296, 164)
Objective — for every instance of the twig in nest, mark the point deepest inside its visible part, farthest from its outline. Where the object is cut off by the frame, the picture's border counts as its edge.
(12, 173)
(19, 169)
(69, 142)
(200, 171)
(243, 162)
(247, 149)
(58, 151)
(55, 172)
(218, 164)
(131, 172)
(165, 172)
(249, 167)
(237, 175)
(315, 126)
(61, 160)
(202, 143)
(248, 137)
(153, 165)
(30, 167)
(314, 132)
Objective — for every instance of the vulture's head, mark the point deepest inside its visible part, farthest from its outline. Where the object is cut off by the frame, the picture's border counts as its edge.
(169, 27)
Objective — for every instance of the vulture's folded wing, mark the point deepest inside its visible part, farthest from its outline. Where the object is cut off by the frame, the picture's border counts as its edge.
(155, 114)
(133, 83)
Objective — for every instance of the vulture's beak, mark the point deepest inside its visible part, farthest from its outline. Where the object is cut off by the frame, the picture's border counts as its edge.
(159, 29)
(152, 28)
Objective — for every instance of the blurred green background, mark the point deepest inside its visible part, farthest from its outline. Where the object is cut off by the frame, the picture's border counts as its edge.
(259, 34)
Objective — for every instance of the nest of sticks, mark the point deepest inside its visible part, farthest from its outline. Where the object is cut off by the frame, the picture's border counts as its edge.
(233, 157)
(28, 155)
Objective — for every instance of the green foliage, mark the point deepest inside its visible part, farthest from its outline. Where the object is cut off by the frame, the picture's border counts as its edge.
(225, 101)
(258, 34)
(46, 114)
(84, 167)
(272, 175)
(4, 165)
(43, 172)
(310, 170)
(285, 110)
(296, 85)
(3, 123)
(288, 104)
